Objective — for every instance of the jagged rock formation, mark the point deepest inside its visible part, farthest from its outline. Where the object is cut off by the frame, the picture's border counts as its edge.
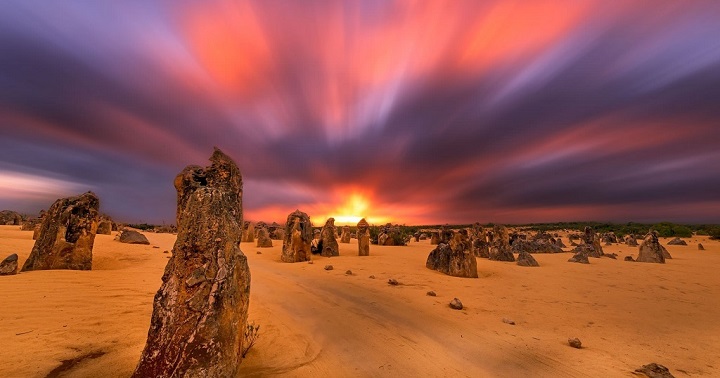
(677, 241)
(9, 266)
(500, 248)
(591, 244)
(526, 259)
(454, 259)
(298, 238)
(9, 217)
(650, 250)
(200, 311)
(328, 244)
(631, 241)
(345, 236)
(67, 235)
(263, 239)
(580, 257)
(363, 237)
(132, 237)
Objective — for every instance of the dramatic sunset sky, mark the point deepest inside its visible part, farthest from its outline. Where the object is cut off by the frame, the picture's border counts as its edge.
(416, 112)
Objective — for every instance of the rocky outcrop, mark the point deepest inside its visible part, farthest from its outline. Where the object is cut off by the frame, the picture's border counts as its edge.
(500, 249)
(328, 244)
(9, 266)
(591, 244)
(200, 311)
(454, 259)
(535, 246)
(263, 238)
(132, 237)
(66, 236)
(526, 259)
(104, 227)
(345, 236)
(363, 237)
(677, 241)
(11, 218)
(248, 233)
(650, 250)
(631, 241)
(481, 248)
(298, 238)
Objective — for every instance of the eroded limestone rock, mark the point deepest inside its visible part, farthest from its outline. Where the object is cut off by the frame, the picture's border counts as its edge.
(200, 311)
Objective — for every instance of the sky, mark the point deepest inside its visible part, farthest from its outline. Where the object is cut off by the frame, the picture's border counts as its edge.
(414, 112)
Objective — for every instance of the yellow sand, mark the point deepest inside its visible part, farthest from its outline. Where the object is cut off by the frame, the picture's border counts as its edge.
(315, 322)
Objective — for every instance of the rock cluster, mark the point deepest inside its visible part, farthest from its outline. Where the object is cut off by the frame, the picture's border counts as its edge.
(200, 311)
(9, 217)
(67, 234)
(500, 248)
(591, 244)
(455, 258)
(298, 238)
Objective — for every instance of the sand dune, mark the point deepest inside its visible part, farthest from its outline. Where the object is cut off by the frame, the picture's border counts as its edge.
(316, 322)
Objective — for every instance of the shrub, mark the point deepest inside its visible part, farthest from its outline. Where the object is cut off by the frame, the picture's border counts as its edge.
(249, 337)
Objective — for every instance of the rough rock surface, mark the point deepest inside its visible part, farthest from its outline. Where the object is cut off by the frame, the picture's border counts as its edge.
(650, 250)
(677, 241)
(298, 238)
(67, 235)
(9, 266)
(9, 217)
(200, 311)
(248, 232)
(654, 370)
(104, 227)
(500, 249)
(631, 241)
(526, 259)
(263, 238)
(132, 237)
(454, 259)
(580, 257)
(345, 236)
(434, 238)
(363, 237)
(591, 244)
(535, 246)
(328, 243)
(575, 343)
(455, 304)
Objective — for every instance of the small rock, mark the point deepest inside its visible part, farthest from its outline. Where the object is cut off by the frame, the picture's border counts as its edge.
(372, 276)
(610, 255)
(258, 253)
(455, 304)
(508, 321)
(393, 282)
(166, 251)
(328, 267)
(654, 370)
(629, 258)
(580, 257)
(310, 262)
(431, 294)
(155, 246)
(700, 247)
(348, 272)
(575, 343)
(9, 266)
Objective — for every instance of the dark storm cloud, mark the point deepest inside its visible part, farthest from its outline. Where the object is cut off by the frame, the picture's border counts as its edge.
(559, 117)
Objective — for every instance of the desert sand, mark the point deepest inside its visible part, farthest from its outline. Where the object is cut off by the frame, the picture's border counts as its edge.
(315, 322)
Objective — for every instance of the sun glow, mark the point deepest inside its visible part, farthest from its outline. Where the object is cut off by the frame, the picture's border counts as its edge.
(354, 209)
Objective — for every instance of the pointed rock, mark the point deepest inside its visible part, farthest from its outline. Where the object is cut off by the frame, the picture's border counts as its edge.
(298, 238)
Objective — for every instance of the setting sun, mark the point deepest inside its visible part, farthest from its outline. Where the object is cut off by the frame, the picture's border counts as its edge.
(354, 209)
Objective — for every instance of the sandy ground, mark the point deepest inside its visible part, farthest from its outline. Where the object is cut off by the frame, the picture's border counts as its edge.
(315, 322)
